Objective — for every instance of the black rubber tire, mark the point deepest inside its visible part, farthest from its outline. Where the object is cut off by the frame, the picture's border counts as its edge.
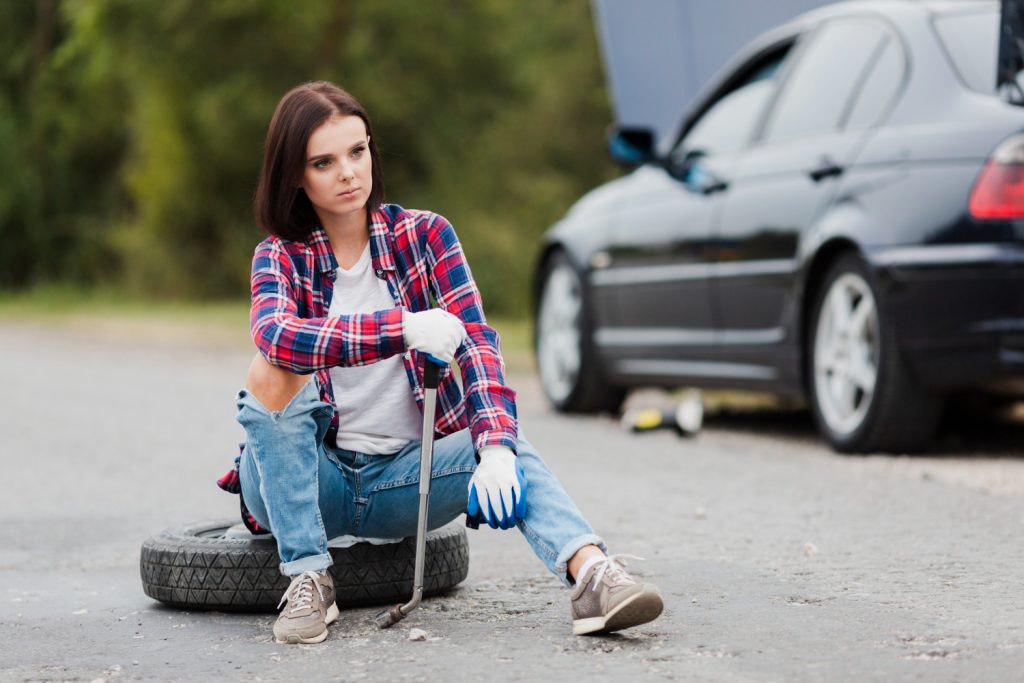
(196, 567)
(903, 415)
(592, 393)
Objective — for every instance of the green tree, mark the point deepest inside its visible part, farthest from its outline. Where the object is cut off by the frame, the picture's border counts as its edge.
(135, 128)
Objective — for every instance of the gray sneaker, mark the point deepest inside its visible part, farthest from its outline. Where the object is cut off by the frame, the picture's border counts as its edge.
(607, 599)
(310, 598)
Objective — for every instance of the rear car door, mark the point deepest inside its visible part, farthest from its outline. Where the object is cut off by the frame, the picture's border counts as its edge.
(781, 184)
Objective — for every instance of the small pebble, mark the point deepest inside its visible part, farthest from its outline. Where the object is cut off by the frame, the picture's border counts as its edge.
(810, 550)
(700, 513)
(417, 634)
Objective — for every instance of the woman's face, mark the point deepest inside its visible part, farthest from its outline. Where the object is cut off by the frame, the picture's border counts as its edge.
(338, 174)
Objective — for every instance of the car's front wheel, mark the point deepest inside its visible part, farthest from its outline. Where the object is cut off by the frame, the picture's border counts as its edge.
(566, 360)
(864, 395)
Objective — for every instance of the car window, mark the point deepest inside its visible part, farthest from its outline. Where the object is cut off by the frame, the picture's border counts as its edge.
(818, 90)
(728, 125)
(880, 86)
(972, 43)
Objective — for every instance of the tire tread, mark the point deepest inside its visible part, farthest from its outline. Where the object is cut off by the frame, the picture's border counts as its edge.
(182, 569)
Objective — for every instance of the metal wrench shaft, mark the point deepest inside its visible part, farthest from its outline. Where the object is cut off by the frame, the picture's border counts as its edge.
(431, 376)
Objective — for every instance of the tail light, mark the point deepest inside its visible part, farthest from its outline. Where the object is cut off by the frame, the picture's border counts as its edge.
(999, 191)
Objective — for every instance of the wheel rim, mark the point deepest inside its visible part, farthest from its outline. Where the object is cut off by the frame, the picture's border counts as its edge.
(558, 333)
(846, 354)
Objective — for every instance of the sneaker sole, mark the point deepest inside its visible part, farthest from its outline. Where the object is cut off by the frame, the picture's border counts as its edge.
(643, 607)
(296, 639)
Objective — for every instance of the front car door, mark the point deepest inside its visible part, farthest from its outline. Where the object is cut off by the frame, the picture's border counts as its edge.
(657, 266)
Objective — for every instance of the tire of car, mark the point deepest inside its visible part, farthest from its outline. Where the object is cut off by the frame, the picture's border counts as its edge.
(864, 394)
(206, 566)
(567, 362)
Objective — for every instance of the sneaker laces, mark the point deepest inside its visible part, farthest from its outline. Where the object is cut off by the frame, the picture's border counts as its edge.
(613, 567)
(300, 593)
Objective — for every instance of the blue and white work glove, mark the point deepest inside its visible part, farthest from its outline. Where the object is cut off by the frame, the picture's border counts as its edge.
(436, 332)
(497, 491)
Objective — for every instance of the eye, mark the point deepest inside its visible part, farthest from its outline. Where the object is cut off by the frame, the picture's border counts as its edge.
(321, 164)
(358, 152)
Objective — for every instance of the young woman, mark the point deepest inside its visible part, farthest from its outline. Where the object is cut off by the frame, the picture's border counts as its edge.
(341, 290)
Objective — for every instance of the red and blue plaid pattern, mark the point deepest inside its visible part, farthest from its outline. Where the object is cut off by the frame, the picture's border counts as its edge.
(419, 256)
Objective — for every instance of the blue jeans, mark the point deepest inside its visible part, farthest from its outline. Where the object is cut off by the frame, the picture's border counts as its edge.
(306, 491)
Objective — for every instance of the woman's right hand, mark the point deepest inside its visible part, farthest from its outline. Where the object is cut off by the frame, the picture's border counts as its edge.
(436, 332)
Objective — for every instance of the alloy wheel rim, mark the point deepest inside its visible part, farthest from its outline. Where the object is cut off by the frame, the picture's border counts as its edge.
(558, 333)
(846, 351)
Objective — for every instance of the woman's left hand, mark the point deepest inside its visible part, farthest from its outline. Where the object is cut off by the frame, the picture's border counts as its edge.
(497, 491)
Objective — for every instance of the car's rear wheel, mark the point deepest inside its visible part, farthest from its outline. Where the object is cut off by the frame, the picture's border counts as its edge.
(570, 372)
(864, 395)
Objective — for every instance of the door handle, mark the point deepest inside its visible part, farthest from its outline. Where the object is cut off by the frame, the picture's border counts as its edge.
(715, 185)
(827, 169)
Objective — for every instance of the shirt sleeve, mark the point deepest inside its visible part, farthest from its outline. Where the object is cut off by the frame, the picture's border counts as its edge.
(305, 345)
(491, 405)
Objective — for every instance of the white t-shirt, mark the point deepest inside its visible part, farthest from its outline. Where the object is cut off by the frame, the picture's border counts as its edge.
(377, 412)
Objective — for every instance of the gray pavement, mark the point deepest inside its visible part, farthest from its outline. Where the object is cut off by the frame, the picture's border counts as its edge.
(778, 560)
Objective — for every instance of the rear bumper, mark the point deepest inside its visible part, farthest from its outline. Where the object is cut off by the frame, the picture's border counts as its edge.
(958, 311)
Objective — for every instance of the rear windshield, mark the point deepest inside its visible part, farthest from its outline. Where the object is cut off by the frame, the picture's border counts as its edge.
(972, 41)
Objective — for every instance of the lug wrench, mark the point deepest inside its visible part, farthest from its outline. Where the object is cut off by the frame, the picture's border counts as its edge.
(431, 374)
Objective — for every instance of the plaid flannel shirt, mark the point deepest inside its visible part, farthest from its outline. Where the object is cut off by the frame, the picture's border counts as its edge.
(418, 254)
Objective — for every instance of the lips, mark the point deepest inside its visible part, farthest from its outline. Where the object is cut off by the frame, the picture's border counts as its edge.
(348, 193)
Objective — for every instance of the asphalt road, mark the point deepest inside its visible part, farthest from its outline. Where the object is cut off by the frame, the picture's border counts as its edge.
(778, 560)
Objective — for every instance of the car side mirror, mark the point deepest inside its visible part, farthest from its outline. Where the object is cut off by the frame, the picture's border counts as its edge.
(680, 167)
(694, 174)
(632, 147)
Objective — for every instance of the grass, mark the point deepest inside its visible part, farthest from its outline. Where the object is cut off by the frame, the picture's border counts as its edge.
(113, 315)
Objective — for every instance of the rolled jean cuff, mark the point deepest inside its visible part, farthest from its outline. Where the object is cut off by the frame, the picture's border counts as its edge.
(570, 549)
(313, 563)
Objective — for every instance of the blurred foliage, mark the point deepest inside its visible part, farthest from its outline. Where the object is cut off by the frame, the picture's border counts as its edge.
(132, 129)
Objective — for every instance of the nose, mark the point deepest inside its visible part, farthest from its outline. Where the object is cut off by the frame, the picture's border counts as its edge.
(345, 171)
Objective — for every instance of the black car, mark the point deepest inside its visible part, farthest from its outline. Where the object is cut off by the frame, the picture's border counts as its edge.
(840, 217)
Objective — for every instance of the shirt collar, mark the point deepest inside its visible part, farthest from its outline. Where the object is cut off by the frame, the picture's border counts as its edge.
(380, 245)
(380, 241)
(321, 246)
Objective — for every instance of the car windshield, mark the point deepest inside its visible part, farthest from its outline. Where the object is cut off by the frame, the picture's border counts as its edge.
(972, 42)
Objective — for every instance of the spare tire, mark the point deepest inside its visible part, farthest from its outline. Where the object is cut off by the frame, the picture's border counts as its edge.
(220, 566)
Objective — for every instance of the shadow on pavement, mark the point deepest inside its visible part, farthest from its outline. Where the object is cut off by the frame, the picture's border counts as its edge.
(965, 429)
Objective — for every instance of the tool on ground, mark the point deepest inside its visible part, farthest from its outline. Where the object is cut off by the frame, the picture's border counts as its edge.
(686, 418)
(431, 376)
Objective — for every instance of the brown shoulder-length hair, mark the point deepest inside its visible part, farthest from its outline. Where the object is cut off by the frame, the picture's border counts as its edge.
(280, 204)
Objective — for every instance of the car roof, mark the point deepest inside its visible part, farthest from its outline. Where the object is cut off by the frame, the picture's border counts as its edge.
(892, 9)
(898, 12)
(942, 6)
